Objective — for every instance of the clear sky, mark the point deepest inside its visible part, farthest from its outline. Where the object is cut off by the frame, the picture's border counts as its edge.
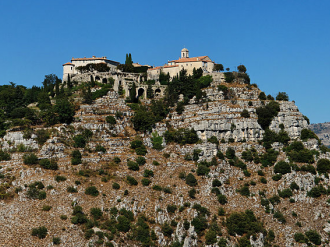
(284, 44)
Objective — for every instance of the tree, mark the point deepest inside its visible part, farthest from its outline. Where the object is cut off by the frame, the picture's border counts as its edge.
(87, 96)
(132, 94)
(218, 67)
(241, 68)
(150, 92)
(65, 111)
(282, 96)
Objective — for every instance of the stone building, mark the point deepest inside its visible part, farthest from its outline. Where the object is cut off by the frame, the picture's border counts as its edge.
(173, 67)
(70, 68)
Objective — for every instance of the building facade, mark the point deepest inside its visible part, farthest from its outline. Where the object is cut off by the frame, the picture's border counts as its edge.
(70, 68)
(173, 67)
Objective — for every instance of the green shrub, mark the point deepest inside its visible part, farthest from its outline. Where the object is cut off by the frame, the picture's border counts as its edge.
(200, 224)
(56, 240)
(171, 209)
(42, 136)
(202, 170)
(46, 208)
(181, 136)
(148, 173)
(131, 180)
(213, 139)
(167, 190)
(48, 164)
(210, 237)
(286, 193)
(4, 156)
(133, 166)
(267, 113)
(59, 178)
(117, 160)
(300, 237)
(192, 193)
(280, 217)
(40, 232)
(157, 141)
(100, 148)
(191, 180)
(71, 189)
(307, 134)
(115, 186)
(167, 230)
(244, 191)
(282, 167)
(110, 120)
(140, 160)
(230, 153)
(313, 236)
(157, 188)
(220, 155)
(92, 191)
(216, 183)
(79, 141)
(145, 182)
(294, 186)
(221, 211)
(323, 165)
(222, 199)
(277, 177)
(96, 213)
(76, 157)
(308, 168)
(30, 159)
(89, 233)
(245, 113)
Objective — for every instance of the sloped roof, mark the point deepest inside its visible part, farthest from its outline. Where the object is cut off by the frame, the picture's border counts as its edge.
(192, 59)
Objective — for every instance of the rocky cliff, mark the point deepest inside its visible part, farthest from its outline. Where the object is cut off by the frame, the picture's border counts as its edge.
(165, 206)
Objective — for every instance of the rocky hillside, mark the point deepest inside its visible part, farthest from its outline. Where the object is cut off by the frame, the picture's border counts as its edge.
(322, 130)
(210, 176)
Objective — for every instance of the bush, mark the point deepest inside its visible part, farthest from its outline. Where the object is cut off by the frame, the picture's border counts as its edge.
(230, 153)
(115, 186)
(213, 139)
(181, 136)
(191, 180)
(267, 113)
(300, 237)
(30, 159)
(243, 223)
(244, 191)
(100, 148)
(313, 236)
(192, 193)
(4, 156)
(145, 182)
(140, 160)
(202, 170)
(216, 183)
(42, 136)
(75, 157)
(133, 166)
(148, 173)
(46, 208)
(280, 217)
(79, 141)
(222, 199)
(286, 193)
(171, 209)
(245, 113)
(157, 141)
(123, 224)
(40, 232)
(282, 96)
(117, 160)
(131, 180)
(220, 155)
(157, 188)
(71, 189)
(167, 190)
(96, 213)
(323, 165)
(56, 240)
(307, 134)
(282, 167)
(262, 96)
(167, 230)
(48, 164)
(92, 191)
(110, 120)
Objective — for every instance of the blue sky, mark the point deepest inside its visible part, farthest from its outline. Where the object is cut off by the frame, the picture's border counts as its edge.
(285, 45)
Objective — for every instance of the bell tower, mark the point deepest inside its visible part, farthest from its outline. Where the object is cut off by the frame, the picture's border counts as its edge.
(184, 53)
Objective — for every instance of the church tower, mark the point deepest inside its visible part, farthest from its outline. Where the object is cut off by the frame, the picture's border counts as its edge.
(184, 53)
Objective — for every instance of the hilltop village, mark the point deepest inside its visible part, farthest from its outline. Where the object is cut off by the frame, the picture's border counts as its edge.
(184, 154)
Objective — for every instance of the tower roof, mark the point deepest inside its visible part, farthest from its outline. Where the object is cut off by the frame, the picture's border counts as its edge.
(184, 49)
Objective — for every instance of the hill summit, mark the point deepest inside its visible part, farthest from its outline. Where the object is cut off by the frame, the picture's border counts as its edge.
(210, 161)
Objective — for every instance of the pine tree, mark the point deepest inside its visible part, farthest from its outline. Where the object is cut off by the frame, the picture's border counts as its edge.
(150, 92)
